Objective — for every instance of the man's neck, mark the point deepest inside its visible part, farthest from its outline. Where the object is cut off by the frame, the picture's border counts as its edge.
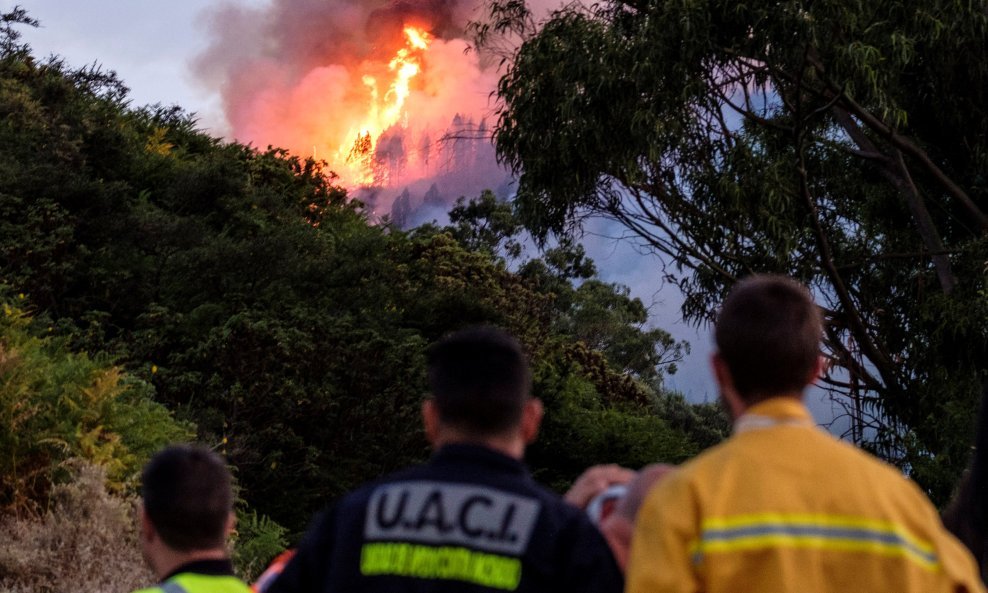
(512, 446)
(168, 561)
(743, 406)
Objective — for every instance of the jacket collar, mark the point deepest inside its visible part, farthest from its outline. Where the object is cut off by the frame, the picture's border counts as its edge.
(471, 454)
(774, 412)
(213, 567)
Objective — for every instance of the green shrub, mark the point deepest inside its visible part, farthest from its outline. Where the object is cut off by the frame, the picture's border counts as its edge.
(56, 405)
(257, 541)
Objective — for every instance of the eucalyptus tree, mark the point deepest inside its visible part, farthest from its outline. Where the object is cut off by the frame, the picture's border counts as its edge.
(839, 142)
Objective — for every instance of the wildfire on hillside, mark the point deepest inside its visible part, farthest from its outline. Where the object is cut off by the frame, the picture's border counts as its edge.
(386, 93)
(384, 110)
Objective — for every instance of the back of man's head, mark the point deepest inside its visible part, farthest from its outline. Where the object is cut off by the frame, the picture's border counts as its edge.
(188, 497)
(768, 334)
(480, 380)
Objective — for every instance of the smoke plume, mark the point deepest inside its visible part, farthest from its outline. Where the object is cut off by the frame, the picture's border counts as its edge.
(314, 76)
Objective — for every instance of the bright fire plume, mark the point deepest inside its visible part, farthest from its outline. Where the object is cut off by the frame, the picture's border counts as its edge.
(385, 91)
(351, 160)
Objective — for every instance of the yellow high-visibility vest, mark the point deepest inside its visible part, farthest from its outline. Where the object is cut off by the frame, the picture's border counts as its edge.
(190, 582)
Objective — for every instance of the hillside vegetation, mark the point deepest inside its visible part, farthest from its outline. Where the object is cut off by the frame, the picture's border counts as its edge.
(160, 284)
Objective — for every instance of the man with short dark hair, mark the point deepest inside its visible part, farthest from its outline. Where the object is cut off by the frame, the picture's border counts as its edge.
(782, 505)
(186, 515)
(471, 519)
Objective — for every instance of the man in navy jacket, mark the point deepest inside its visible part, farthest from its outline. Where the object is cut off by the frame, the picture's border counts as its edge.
(471, 519)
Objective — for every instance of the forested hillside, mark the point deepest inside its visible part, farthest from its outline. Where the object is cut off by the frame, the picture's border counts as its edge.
(161, 284)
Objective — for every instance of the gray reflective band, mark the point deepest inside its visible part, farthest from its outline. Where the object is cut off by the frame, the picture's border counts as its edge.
(172, 587)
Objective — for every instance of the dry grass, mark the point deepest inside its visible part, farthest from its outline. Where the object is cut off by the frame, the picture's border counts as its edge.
(86, 542)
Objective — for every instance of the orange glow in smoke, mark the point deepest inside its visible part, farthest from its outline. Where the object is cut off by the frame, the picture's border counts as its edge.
(388, 104)
(352, 159)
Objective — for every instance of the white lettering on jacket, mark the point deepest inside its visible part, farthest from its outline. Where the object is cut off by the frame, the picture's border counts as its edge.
(480, 517)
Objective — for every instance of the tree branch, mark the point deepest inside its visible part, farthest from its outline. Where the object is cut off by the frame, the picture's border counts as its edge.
(927, 229)
(902, 143)
(849, 307)
(896, 172)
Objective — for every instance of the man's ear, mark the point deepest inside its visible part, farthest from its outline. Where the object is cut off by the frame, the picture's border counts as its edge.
(231, 523)
(819, 369)
(430, 420)
(725, 382)
(148, 533)
(531, 419)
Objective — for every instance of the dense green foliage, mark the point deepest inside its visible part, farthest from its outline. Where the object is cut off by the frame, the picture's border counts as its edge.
(56, 406)
(841, 143)
(247, 293)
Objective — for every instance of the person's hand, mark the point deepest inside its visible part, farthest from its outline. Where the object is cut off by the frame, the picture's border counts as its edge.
(595, 480)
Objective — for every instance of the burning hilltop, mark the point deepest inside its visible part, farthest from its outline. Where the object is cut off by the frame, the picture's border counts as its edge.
(386, 93)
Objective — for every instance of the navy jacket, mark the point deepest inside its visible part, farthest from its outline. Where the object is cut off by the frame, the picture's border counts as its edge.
(470, 520)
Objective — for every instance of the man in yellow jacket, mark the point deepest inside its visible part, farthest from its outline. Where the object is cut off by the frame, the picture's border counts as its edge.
(186, 515)
(782, 505)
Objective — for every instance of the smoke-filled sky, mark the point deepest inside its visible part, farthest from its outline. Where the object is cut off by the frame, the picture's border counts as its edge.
(277, 71)
(372, 87)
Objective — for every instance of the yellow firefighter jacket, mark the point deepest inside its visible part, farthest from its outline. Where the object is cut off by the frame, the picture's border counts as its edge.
(784, 506)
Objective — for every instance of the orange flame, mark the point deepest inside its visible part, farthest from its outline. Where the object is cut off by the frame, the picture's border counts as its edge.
(352, 157)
